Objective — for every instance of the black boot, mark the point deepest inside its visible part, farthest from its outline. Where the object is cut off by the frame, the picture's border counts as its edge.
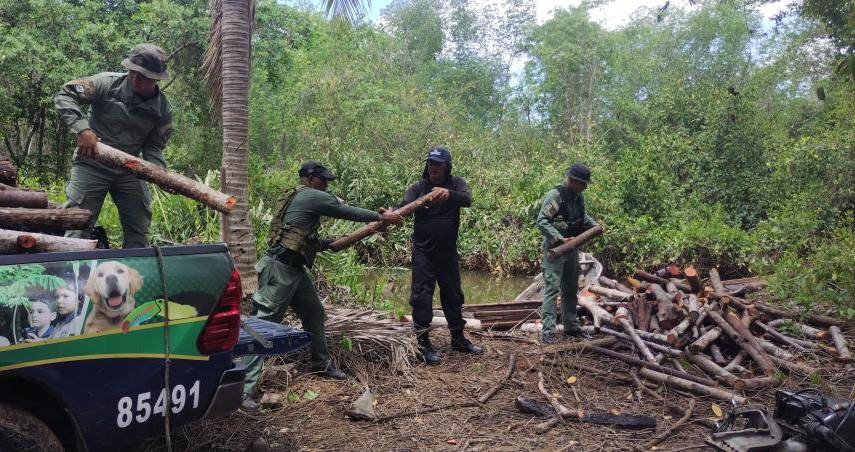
(459, 343)
(429, 355)
(330, 371)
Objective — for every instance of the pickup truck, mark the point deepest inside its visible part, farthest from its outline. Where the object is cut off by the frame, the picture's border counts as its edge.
(85, 340)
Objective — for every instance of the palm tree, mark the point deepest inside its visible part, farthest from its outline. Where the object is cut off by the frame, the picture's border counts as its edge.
(227, 70)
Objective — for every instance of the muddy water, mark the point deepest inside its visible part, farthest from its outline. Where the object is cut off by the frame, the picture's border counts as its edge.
(478, 288)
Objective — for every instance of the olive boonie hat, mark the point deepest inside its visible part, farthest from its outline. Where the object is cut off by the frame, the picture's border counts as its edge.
(149, 60)
(579, 172)
(315, 169)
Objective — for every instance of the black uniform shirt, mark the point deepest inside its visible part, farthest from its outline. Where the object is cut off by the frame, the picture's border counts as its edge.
(436, 226)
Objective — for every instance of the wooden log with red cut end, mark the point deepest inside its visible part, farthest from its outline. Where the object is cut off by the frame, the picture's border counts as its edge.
(12, 242)
(8, 173)
(691, 386)
(673, 271)
(644, 276)
(614, 284)
(162, 177)
(705, 340)
(20, 217)
(576, 242)
(843, 352)
(693, 279)
(641, 310)
(622, 318)
(716, 371)
(376, 226)
(674, 336)
(758, 356)
(14, 197)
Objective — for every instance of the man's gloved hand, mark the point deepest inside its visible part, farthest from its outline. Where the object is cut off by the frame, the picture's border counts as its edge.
(325, 244)
(441, 195)
(86, 142)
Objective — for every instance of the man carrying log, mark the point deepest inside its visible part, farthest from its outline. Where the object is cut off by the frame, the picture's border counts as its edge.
(283, 273)
(128, 112)
(561, 218)
(434, 257)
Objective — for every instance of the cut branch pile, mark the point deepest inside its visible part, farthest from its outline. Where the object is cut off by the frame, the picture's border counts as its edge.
(724, 344)
(28, 223)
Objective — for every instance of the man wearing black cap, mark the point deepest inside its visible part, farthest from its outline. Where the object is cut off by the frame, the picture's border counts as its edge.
(283, 273)
(561, 218)
(435, 260)
(130, 113)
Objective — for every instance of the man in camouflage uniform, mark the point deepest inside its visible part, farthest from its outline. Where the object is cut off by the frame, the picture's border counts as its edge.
(283, 273)
(127, 112)
(561, 218)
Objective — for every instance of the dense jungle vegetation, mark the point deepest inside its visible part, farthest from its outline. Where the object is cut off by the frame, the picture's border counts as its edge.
(715, 136)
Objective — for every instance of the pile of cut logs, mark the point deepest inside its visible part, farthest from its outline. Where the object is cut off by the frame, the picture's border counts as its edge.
(29, 223)
(671, 318)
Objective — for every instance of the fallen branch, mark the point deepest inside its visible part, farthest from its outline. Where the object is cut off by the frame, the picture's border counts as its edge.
(843, 352)
(561, 410)
(691, 386)
(621, 317)
(512, 364)
(649, 365)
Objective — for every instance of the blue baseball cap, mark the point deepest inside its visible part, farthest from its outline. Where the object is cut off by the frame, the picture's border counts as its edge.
(438, 154)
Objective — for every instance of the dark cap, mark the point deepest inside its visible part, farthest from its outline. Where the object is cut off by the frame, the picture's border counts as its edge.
(438, 154)
(315, 169)
(149, 60)
(579, 172)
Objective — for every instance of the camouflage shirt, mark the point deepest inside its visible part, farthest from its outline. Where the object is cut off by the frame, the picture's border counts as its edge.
(120, 117)
(554, 227)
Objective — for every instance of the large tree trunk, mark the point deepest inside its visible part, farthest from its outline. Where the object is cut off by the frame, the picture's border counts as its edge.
(237, 226)
(14, 197)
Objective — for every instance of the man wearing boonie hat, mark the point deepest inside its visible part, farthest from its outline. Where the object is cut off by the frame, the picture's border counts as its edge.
(128, 112)
(561, 218)
(283, 273)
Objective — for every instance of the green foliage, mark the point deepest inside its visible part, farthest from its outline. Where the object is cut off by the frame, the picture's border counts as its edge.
(16, 280)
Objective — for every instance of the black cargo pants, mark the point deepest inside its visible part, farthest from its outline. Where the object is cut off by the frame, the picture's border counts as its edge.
(430, 269)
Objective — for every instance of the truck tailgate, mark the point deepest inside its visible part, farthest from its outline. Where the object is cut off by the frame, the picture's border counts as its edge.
(281, 339)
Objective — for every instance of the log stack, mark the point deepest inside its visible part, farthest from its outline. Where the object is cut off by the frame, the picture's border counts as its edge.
(699, 334)
(29, 223)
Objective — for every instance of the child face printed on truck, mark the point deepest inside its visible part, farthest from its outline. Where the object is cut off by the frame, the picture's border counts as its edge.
(66, 301)
(41, 316)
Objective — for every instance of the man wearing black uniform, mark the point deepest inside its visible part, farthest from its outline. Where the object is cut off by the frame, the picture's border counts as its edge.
(435, 259)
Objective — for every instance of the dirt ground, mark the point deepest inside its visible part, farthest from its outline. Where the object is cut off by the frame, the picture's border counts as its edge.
(313, 418)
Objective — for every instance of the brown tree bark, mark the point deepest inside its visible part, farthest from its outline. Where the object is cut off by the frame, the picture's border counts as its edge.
(576, 242)
(13, 197)
(12, 242)
(690, 386)
(716, 371)
(622, 318)
(644, 276)
(840, 344)
(8, 173)
(758, 356)
(693, 279)
(19, 217)
(705, 340)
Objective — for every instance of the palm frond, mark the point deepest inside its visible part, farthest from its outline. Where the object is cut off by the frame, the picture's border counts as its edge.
(349, 10)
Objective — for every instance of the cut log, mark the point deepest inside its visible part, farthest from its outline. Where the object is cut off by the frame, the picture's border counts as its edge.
(651, 345)
(745, 335)
(716, 371)
(651, 365)
(693, 279)
(12, 242)
(757, 355)
(704, 341)
(773, 350)
(691, 386)
(737, 361)
(162, 177)
(539, 409)
(781, 338)
(576, 242)
(622, 318)
(33, 199)
(20, 217)
(693, 306)
(715, 281)
(614, 284)
(610, 293)
(8, 173)
(760, 382)
(843, 352)
(641, 310)
(717, 357)
(644, 276)
(667, 313)
(676, 332)
(588, 301)
(374, 227)
(794, 366)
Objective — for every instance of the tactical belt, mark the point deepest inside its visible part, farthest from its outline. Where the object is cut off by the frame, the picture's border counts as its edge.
(291, 258)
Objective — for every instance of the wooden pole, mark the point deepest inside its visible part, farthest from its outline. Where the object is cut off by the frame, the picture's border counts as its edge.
(840, 343)
(13, 197)
(374, 227)
(757, 355)
(691, 386)
(576, 242)
(653, 365)
(12, 242)
(622, 318)
(162, 177)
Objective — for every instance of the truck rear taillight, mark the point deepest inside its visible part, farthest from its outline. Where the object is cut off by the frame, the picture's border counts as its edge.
(223, 328)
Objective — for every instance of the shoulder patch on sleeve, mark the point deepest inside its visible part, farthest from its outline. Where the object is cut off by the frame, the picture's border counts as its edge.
(83, 87)
(552, 208)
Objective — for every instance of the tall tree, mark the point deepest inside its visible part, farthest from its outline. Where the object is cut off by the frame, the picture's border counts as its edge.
(227, 68)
